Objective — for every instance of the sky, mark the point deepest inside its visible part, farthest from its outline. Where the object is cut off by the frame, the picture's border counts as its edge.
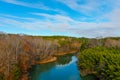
(77, 18)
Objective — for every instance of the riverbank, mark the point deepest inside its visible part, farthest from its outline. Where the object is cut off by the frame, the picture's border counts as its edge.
(47, 60)
(52, 59)
(65, 53)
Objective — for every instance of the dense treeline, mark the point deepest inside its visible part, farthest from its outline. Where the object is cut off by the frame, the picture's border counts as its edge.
(19, 52)
(100, 58)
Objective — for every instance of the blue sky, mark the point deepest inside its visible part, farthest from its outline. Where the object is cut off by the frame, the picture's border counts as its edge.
(78, 18)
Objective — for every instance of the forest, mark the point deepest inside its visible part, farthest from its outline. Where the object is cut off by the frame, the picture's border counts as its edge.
(100, 58)
(19, 52)
(96, 57)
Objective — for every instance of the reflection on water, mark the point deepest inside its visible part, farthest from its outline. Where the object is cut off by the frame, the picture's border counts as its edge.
(65, 68)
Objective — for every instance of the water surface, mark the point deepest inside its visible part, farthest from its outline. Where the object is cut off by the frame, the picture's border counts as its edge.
(65, 68)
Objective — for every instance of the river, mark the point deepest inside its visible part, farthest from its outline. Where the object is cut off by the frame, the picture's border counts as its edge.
(65, 68)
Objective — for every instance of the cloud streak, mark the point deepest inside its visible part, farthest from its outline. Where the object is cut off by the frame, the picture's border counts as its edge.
(91, 7)
(60, 23)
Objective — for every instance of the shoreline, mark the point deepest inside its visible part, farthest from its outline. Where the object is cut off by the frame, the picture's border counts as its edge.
(47, 60)
(65, 53)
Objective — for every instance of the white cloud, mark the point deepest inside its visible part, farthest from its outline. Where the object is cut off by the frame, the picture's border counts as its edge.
(62, 23)
(16, 17)
(91, 7)
(56, 17)
(74, 4)
(114, 16)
